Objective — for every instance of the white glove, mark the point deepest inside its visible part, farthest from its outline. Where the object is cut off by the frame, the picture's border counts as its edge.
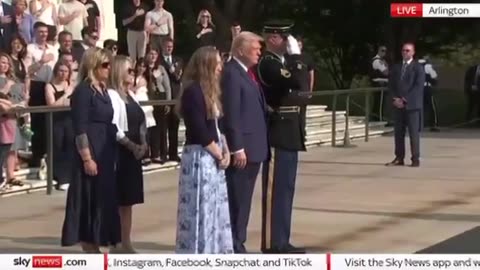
(292, 46)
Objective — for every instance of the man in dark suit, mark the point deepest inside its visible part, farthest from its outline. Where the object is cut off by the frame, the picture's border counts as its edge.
(90, 39)
(8, 25)
(406, 84)
(472, 92)
(245, 130)
(174, 67)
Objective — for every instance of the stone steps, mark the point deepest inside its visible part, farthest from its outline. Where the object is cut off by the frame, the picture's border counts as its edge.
(319, 124)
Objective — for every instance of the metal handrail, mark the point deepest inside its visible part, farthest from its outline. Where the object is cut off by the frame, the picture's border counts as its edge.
(50, 110)
(348, 92)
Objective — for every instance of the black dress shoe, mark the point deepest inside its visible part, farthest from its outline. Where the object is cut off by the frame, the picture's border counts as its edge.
(290, 249)
(175, 158)
(158, 161)
(271, 251)
(415, 163)
(396, 162)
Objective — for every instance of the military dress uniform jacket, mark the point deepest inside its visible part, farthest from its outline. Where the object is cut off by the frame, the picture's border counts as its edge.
(281, 84)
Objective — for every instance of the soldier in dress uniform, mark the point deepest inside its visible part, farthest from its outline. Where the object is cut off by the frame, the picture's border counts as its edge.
(429, 103)
(281, 81)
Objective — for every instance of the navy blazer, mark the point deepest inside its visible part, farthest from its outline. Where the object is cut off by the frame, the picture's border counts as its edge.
(410, 87)
(244, 123)
(10, 28)
(198, 129)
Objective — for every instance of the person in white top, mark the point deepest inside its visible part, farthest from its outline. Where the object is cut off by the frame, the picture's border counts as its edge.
(129, 119)
(140, 91)
(45, 11)
(159, 24)
(73, 16)
(40, 60)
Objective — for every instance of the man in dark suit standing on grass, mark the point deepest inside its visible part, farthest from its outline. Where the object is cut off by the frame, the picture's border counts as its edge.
(245, 128)
(406, 87)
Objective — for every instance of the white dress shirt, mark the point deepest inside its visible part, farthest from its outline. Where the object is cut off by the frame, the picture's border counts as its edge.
(34, 56)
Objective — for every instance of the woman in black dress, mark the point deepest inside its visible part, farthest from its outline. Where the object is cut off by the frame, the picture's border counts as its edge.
(57, 94)
(91, 216)
(131, 135)
(205, 29)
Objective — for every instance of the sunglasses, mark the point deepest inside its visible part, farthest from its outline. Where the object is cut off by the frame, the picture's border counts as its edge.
(131, 71)
(105, 65)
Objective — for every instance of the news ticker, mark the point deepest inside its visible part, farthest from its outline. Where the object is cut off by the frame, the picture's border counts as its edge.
(238, 261)
(443, 10)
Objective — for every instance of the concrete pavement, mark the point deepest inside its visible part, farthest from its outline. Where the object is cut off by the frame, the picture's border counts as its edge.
(346, 201)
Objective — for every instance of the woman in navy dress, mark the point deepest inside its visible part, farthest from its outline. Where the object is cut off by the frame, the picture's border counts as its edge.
(203, 219)
(91, 216)
(129, 118)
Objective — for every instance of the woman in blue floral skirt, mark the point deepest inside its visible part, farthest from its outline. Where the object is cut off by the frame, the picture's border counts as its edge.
(203, 221)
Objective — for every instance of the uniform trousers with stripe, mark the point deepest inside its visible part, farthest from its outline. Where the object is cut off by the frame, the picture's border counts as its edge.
(278, 188)
(430, 107)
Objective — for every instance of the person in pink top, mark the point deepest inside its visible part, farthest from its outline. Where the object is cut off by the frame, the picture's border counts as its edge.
(7, 133)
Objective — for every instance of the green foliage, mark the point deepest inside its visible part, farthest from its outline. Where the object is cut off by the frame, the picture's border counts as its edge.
(341, 35)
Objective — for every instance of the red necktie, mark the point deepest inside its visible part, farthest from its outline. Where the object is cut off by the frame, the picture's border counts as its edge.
(252, 75)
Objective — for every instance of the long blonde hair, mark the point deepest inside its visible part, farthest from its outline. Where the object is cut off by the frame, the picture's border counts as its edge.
(92, 59)
(10, 73)
(116, 79)
(201, 69)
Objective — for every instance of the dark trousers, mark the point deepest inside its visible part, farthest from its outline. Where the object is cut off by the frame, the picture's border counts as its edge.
(278, 188)
(430, 108)
(63, 147)
(4, 149)
(240, 184)
(411, 119)
(473, 105)
(38, 123)
(172, 125)
(378, 106)
(158, 134)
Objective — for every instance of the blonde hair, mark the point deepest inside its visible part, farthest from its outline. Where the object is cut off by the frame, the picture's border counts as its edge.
(201, 69)
(10, 73)
(205, 12)
(92, 59)
(117, 75)
(244, 40)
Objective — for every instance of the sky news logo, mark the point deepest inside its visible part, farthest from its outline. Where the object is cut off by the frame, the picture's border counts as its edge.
(39, 262)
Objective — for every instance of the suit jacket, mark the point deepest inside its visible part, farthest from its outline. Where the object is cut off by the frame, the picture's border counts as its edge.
(410, 86)
(469, 80)
(245, 122)
(174, 77)
(10, 28)
(77, 51)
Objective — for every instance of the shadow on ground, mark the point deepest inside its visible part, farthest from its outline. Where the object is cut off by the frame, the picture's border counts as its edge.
(54, 242)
